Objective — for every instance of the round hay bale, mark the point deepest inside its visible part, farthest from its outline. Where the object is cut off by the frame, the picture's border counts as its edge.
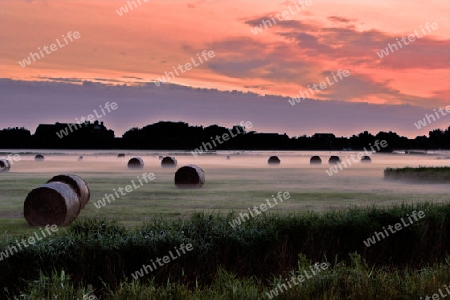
(77, 184)
(135, 163)
(315, 160)
(120, 155)
(334, 160)
(366, 159)
(51, 203)
(274, 160)
(169, 162)
(189, 176)
(4, 165)
(39, 157)
(228, 157)
(80, 158)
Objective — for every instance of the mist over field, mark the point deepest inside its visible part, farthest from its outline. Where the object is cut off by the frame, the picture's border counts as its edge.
(237, 183)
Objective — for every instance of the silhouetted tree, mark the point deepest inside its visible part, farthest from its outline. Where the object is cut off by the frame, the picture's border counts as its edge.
(13, 137)
(179, 135)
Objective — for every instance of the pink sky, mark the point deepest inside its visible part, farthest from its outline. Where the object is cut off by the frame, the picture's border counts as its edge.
(301, 50)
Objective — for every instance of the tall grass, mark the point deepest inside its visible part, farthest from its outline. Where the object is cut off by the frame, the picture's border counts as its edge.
(104, 254)
(355, 280)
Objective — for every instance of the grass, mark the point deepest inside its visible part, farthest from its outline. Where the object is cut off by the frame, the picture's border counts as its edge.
(221, 193)
(258, 254)
(419, 174)
(357, 280)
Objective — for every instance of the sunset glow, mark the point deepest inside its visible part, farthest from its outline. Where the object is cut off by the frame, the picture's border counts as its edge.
(264, 47)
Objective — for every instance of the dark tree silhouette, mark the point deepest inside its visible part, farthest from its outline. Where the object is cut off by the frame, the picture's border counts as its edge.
(181, 136)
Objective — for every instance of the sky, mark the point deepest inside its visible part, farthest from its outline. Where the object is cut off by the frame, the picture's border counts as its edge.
(359, 65)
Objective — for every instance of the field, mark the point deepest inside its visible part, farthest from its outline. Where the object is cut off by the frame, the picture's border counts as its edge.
(232, 186)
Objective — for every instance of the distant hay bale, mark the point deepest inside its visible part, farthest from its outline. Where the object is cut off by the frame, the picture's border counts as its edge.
(228, 157)
(169, 162)
(274, 160)
(51, 203)
(77, 184)
(135, 163)
(334, 160)
(366, 159)
(5, 166)
(315, 160)
(39, 157)
(80, 158)
(120, 155)
(189, 176)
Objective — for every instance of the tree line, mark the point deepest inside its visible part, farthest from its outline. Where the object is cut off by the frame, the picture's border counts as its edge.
(181, 136)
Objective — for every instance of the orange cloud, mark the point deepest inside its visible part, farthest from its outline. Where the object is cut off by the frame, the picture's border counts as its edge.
(154, 36)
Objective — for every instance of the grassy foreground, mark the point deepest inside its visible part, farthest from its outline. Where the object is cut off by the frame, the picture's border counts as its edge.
(100, 257)
(357, 280)
(420, 174)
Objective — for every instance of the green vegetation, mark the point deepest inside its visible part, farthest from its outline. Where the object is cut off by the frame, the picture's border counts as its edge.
(99, 256)
(354, 281)
(420, 174)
